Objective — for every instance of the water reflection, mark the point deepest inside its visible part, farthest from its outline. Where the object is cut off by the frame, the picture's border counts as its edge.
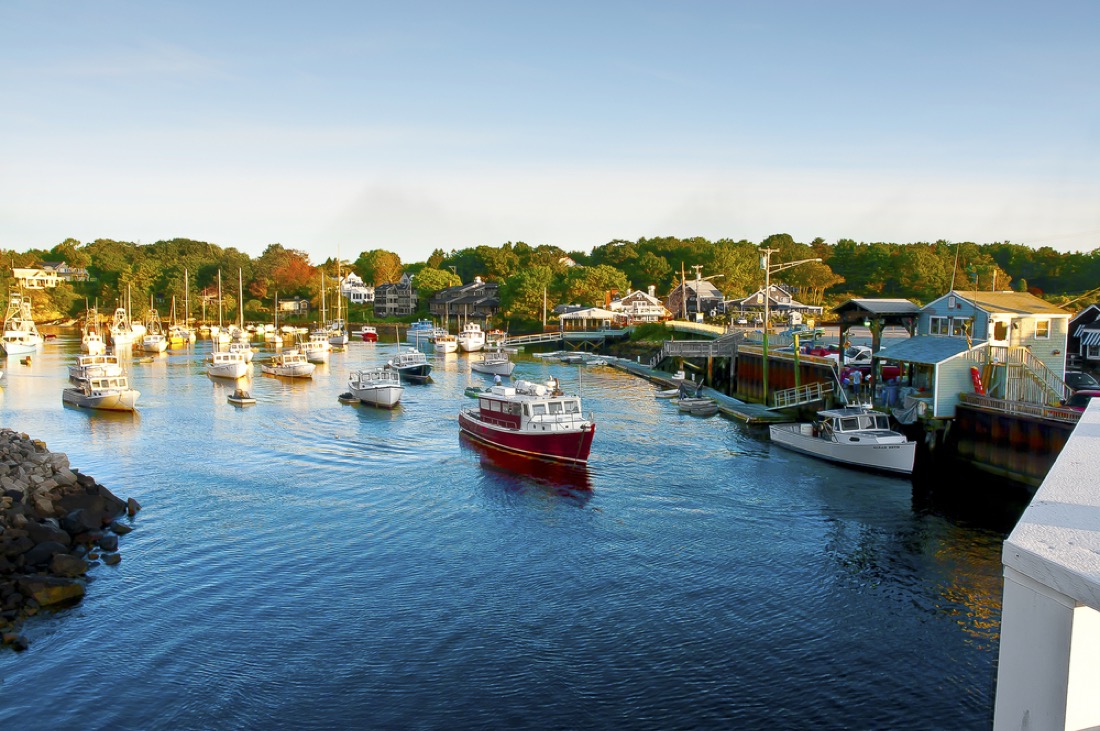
(517, 471)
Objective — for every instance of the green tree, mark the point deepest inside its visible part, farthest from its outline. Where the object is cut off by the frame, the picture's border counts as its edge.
(521, 297)
(592, 285)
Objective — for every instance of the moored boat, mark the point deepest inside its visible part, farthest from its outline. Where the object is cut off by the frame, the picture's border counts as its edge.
(289, 365)
(446, 343)
(369, 334)
(105, 393)
(94, 366)
(411, 365)
(419, 332)
(856, 436)
(227, 364)
(471, 339)
(377, 387)
(240, 397)
(20, 333)
(531, 419)
(494, 362)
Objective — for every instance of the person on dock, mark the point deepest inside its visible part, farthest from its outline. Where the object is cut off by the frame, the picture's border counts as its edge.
(856, 378)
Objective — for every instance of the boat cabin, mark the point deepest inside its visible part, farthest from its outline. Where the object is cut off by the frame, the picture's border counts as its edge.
(106, 383)
(530, 407)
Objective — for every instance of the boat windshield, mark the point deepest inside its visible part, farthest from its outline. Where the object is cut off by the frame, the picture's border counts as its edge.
(538, 409)
(572, 407)
(882, 422)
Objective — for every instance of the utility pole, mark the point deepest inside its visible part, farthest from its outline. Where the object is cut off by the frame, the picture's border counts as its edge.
(766, 265)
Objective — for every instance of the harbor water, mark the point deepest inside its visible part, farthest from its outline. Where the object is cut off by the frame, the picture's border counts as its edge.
(307, 564)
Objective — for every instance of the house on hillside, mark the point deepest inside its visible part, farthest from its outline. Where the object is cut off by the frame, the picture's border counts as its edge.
(1084, 338)
(35, 277)
(478, 300)
(780, 300)
(355, 290)
(1005, 345)
(694, 297)
(294, 306)
(65, 272)
(639, 306)
(588, 319)
(396, 299)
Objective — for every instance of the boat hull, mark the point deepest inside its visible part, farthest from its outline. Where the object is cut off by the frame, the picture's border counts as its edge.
(123, 400)
(564, 445)
(503, 368)
(20, 349)
(413, 373)
(228, 370)
(384, 396)
(298, 370)
(893, 458)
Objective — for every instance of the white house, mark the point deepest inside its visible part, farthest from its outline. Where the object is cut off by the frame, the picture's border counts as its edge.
(35, 277)
(639, 306)
(355, 290)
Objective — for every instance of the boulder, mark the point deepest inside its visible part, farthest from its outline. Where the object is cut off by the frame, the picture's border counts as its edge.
(50, 590)
(63, 564)
(16, 641)
(120, 529)
(132, 507)
(111, 559)
(108, 542)
(18, 546)
(82, 520)
(41, 554)
(48, 531)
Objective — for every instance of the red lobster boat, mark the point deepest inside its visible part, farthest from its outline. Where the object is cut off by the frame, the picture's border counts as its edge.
(531, 419)
(369, 334)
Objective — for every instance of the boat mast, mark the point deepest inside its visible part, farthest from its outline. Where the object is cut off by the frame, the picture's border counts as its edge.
(186, 298)
(240, 299)
(219, 300)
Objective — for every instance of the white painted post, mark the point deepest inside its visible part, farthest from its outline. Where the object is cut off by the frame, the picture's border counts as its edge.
(1048, 674)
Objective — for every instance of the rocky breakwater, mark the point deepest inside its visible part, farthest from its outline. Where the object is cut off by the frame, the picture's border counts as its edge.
(55, 525)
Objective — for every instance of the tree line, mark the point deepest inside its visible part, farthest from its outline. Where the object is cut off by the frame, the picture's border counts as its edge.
(917, 271)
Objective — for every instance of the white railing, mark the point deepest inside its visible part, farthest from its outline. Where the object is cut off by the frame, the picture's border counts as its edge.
(697, 328)
(1049, 664)
(801, 395)
(1027, 378)
(1020, 408)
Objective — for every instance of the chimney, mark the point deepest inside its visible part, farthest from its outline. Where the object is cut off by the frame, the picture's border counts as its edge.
(652, 290)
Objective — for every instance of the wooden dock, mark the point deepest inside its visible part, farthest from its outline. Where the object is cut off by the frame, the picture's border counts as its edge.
(727, 405)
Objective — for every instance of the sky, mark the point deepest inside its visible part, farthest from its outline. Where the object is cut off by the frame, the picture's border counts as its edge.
(336, 128)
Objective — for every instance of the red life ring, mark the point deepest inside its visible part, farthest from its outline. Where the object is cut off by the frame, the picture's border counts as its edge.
(976, 377)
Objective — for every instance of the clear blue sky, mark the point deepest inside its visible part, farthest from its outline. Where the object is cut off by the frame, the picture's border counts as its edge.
(415, 125)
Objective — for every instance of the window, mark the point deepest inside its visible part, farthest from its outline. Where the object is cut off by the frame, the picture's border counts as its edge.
(849, 424)
(959, 327)
(555, 407)
(938, 325)
(1042, 329)
(951, 303)
(1000, 330)
(539, 409)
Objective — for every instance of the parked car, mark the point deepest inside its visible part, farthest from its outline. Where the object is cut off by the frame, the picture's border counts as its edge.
(1078, 380)
(1079, 401)
(742, 321)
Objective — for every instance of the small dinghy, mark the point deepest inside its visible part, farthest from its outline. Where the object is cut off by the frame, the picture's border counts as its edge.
(474, 391)
(240, 397)
(347, 398)
(667, 393)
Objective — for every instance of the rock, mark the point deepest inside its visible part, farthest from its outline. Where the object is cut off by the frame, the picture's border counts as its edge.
(14, 493)
(81, 521)
(63, 564)
(16, 641)
(65, 477)
(132, 507)
(19, 546)
(85, 480)
(48, 531)
(108, 542)
(112, 559)
(87, 539)
(43, 506)
(41, 554)
(50, 591)
(120, 528)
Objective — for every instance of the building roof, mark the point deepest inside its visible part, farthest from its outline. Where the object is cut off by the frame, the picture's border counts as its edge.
(591, 313)
(880, 306)
(927, 349)
(1020, 303)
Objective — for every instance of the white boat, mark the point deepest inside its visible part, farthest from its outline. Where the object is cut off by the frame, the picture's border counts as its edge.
(96, 365)
(106, 393)
(122, 331)
(494, 362)
(227, 364)
(317, 348)
(154, 340)
(411, 364)
(91, 342)
(852, 435)
(668, 393)
(471, 339)
(243, 348)
(369, 334)
(378, 387)
(446, 343)
(20, 333)
(290, 365)
(495, 338)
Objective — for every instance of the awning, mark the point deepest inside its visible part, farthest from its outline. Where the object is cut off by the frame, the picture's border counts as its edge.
(1092, 337)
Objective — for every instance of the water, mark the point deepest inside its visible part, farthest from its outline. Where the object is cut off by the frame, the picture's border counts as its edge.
(305, 564)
